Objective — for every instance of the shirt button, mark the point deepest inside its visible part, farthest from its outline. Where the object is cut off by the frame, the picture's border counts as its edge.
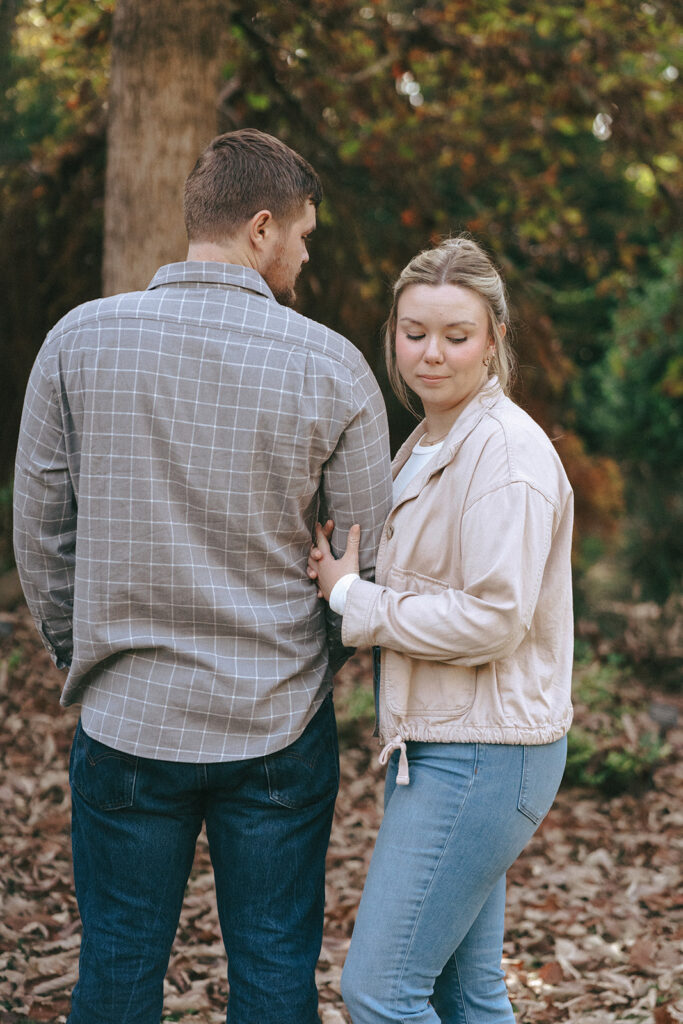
(390, 532)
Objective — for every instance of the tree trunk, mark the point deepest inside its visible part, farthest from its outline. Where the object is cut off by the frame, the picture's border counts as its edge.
(166, 61)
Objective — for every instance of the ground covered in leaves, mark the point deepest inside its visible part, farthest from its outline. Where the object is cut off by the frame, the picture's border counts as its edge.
(594, 910)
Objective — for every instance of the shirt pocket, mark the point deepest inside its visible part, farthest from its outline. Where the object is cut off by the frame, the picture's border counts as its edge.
(419, 687)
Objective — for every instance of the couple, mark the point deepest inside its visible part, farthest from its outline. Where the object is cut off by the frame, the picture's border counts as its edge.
(178, 447)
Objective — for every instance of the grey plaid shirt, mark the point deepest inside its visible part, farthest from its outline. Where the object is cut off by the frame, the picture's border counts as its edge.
(177, 446)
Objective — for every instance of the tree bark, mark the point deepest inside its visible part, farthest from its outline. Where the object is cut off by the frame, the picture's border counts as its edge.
(165, 76)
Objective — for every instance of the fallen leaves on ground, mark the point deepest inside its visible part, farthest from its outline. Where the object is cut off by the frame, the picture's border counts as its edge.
(594, 909)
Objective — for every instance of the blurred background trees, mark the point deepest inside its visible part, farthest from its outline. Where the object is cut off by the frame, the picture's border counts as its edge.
(551, 132)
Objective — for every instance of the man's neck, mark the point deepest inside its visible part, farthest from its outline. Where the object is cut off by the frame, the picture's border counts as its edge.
(215, 252)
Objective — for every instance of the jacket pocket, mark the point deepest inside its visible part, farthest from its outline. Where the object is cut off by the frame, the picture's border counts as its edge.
(427, 689)
(414, 686)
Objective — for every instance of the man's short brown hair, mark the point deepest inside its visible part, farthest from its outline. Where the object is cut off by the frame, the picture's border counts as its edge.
(240, 173)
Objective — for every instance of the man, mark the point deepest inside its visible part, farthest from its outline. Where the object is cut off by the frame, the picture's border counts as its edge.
(176, 449)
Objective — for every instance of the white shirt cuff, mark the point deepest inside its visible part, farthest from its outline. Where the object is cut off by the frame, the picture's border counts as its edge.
(340, 590)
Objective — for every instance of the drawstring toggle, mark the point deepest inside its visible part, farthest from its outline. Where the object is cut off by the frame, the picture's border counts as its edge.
(403, 776)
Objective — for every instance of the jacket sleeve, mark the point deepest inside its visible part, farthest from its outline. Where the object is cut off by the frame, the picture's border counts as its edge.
(356, 488)
(505, 540)
(45, 518)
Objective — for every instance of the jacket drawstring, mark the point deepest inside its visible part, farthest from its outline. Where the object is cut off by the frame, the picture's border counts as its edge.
(403, 776)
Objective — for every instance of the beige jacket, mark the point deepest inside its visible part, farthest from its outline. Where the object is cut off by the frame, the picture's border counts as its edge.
(473, 602)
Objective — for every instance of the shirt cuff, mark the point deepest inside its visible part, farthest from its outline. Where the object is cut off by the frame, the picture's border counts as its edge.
(339, 591)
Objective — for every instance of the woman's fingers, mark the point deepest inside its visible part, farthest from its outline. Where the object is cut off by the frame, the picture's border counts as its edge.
(352, 548)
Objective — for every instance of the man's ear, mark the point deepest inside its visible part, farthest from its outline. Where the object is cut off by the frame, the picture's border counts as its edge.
(261, 228)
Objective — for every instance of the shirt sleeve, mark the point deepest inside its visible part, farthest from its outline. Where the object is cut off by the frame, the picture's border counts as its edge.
(356, 488)
(45, 518)
(505, 540)
(356, 484)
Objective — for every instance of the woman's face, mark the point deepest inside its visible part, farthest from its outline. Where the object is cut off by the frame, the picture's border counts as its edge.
(442, 340)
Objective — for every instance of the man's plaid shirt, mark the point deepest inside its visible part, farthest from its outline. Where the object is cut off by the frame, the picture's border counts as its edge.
(176, 448)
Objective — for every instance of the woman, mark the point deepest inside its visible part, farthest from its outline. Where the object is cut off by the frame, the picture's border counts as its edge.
(472, 611)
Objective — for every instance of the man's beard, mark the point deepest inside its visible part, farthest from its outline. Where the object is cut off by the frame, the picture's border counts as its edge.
(286, 296)
(274, 274)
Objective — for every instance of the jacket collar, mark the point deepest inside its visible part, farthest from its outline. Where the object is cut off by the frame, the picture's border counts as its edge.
(489, 395)
(203, 273)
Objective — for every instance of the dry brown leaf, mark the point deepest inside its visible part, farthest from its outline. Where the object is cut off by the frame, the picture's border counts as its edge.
(591, 899)
(551, 973)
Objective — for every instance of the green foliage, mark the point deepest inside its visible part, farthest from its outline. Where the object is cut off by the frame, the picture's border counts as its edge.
(54, 78)
(15, 659)
(590, 763)
(355, 710)
(616, 747)
(358, 702)
(631, 402)
(549, 131)
(645, 400)
(56, 75)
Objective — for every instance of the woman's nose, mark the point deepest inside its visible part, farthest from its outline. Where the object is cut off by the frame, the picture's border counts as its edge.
(433, 353)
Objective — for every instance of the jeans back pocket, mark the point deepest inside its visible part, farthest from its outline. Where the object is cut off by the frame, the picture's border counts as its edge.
(104, 777)
(307, 771)
(542, 770)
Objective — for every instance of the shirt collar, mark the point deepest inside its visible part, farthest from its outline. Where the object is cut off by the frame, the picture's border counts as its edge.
(200, 272)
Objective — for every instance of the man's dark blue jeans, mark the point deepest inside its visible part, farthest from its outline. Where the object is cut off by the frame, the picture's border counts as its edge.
(134, 829)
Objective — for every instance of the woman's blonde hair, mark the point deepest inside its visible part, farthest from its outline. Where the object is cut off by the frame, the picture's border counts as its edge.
(460, 261)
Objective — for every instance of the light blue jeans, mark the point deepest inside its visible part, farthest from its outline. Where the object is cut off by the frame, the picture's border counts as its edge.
(428, 939)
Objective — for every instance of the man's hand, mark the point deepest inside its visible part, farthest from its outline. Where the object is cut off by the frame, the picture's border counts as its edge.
(314, 553)
(324, 567)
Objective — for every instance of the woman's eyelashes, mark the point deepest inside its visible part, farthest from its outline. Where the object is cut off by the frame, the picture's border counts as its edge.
(420, 337)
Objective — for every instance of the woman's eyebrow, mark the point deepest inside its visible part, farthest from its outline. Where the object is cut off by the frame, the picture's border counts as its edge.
(456, 323)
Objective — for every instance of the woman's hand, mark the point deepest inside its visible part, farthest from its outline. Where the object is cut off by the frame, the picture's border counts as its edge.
(324, 567)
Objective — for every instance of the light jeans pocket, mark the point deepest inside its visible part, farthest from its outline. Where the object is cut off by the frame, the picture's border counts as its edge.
(542, 770)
